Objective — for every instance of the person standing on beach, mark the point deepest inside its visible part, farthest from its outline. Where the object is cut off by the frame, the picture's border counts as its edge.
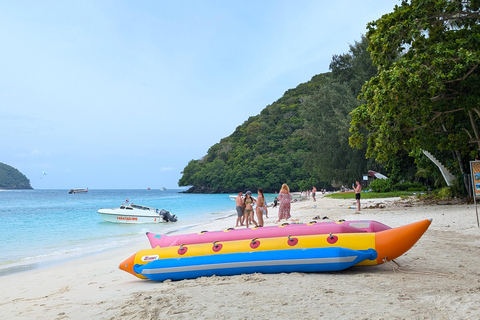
(285, 198)
(358, 189)
(314, 191)
(261, 207)
(240, 209)
(248, 215)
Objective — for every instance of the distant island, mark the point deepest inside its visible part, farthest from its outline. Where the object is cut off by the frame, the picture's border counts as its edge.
(11, 178)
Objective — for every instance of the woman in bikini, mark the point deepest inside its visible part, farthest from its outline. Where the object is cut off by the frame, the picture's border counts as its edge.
(261, 207)
(249, 209)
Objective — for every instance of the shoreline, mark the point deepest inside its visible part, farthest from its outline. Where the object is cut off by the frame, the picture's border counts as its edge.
(437, 279)
(39, 263)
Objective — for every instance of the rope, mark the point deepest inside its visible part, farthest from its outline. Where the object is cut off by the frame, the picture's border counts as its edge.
(396, 267)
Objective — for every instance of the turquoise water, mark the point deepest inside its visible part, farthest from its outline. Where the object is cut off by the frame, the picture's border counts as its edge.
(45, 226)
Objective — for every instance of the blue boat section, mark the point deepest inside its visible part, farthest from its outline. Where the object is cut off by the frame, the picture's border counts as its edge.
(275, 261)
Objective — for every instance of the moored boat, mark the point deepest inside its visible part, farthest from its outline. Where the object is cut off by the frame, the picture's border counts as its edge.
(133, 213)
(78, 190)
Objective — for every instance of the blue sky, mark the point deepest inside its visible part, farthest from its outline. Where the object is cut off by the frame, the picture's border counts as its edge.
(123, 94)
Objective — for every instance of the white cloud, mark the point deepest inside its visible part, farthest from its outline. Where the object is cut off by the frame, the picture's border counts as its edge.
(37, 152)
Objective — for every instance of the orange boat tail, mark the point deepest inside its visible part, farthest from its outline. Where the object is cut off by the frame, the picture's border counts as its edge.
(391, 244)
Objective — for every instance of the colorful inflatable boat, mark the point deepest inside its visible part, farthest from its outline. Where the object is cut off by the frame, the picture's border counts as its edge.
(313, 253)
(157, 240)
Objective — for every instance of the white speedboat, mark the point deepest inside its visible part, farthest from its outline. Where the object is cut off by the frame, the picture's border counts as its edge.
(133, 213)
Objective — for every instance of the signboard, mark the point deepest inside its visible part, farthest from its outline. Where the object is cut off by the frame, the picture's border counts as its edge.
(475, 173)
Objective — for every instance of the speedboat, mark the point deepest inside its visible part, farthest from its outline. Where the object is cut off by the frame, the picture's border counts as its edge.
(134, 213)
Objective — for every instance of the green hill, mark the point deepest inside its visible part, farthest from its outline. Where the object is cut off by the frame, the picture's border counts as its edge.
(11, 178)
(265, 151)
(301, 139)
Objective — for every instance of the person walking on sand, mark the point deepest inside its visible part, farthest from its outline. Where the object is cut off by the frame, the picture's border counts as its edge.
(285, 198)
(358, 189)
(240, 209)
(248, 215)
(261, 207)
(314, 191)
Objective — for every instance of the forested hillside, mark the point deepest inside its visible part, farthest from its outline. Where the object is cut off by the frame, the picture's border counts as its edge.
(265, 151)
(11, 178)
(283, 144)
(411, 85)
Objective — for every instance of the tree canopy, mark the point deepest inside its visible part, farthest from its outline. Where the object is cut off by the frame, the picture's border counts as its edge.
(426, 94)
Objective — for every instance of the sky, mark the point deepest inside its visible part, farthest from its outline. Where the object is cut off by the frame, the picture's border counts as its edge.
(123, 94)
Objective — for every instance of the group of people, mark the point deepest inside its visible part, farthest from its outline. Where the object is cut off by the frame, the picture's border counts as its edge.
(246, 212)
(245, 209)
(312, 193)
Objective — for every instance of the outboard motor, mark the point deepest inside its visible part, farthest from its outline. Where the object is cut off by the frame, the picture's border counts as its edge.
(167, 216)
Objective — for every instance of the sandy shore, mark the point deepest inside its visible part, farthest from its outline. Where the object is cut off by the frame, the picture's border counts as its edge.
(439, 278)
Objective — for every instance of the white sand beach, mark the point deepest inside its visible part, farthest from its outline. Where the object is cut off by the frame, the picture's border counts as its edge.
(439, 278)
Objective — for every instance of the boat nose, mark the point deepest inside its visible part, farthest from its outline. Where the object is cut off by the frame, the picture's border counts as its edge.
(128, 264)
(391, 244)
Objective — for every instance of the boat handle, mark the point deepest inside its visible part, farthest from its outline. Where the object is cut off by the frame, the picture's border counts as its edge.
(253, 240)
(182, 250)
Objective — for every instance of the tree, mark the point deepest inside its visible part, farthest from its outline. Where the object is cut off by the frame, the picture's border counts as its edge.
(355, 67)
(327, 118)
(426, 95)
(326, 130)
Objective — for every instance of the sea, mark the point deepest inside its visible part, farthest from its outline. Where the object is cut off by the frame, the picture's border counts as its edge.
(41, 227)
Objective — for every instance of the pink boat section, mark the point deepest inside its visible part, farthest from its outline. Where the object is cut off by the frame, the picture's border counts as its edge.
(357, 226)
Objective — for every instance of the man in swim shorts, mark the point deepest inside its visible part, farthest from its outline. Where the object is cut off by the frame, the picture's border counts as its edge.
(240, 209)
(358, 189)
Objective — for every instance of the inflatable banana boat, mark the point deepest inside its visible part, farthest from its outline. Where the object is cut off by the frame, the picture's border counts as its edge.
(312, 253)
(312, 228)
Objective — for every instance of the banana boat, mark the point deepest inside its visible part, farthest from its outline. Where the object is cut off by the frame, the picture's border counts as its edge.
(312, 253)
(157, 240)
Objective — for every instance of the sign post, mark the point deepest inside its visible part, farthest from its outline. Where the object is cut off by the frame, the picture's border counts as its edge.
(475, 173)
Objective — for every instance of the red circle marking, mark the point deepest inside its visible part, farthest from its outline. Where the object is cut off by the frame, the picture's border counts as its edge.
(182, 250)
(332, 239)
(254, 244)
(217, 247)
(292, 242)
